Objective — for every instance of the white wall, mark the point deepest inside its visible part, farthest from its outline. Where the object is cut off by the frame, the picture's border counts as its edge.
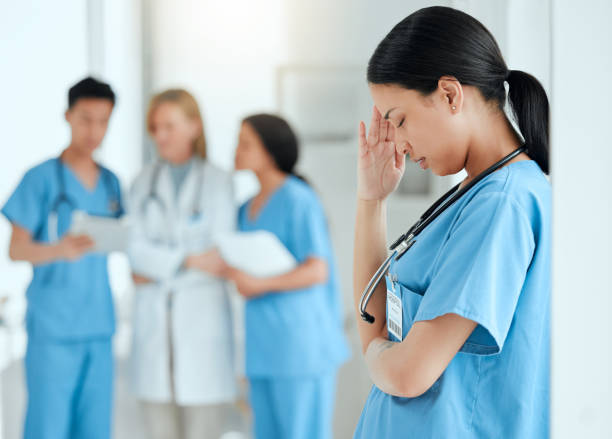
(225, 53)
(44, 49)
(41, 58)
(582, 197)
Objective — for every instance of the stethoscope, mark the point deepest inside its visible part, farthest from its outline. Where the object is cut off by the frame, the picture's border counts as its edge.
(402, 244)
(62, 197)
(154, 198)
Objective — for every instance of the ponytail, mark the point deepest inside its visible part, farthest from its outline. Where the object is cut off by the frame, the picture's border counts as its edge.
(530, 107)
(438, 41)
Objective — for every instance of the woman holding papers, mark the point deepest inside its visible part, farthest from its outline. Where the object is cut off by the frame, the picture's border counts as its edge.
(294, 338)
(182, 368)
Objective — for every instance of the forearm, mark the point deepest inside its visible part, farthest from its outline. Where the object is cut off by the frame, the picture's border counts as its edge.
(370, 251)
(34, 252)
(312, 272)
(379, 355)
(396, 368)
(410, 368)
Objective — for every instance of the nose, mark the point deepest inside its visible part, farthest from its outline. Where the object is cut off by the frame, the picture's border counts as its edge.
(403, 147)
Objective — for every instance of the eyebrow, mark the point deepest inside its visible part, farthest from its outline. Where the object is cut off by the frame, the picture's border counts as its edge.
(388, 112)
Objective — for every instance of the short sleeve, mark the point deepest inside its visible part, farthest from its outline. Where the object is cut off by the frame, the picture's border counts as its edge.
(309, 229)
(24, 206)
(481, 269)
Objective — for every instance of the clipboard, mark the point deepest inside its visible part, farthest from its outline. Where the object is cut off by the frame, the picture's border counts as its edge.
(108, 234)
(259, 253)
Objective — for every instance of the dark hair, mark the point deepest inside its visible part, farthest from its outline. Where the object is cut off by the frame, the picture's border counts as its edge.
(438, 41)
(278, 138)
(90, 88)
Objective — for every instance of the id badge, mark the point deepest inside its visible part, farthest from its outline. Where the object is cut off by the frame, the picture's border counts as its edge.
(394, 312)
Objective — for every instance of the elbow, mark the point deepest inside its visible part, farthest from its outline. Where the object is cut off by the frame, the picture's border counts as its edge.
(410, 384)
(412, 390)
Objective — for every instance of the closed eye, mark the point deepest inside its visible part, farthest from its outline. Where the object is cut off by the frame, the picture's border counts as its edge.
(401, 123)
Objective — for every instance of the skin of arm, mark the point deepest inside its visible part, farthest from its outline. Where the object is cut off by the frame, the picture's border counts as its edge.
(23, 248)
(411, 367)
(369, 252)
(311, 272)
(408, 368)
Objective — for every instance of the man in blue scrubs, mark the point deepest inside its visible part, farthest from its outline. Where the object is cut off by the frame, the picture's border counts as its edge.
(70, 316)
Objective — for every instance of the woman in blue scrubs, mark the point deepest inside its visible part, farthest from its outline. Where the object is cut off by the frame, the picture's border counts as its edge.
(294, 337)
(70, 317)
(460, 348)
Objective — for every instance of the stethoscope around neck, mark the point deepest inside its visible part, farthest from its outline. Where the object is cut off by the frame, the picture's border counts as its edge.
(402, 244)
(154, 198)
(64, 198)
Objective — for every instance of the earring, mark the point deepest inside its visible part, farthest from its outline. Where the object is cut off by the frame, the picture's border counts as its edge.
(453, 107)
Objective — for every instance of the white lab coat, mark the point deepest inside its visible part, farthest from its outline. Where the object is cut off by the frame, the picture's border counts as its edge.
(200, 332)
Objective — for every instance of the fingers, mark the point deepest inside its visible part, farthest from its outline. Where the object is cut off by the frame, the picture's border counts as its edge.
(390, 132)
(229, 272)
(139, 280)
(81, 241)
(385, 126)
(363, 143)
(373, 135)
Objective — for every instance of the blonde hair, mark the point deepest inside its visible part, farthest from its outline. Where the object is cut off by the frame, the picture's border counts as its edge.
(188, 104)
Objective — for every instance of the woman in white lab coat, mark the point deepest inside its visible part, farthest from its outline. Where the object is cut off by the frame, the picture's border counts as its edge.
(182, 368)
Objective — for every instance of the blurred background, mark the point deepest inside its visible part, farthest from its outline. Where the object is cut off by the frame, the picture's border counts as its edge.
(307, 61)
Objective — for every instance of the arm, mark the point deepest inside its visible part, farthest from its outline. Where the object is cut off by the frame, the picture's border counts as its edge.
(23, 248)
(380, 168)
(311, 272)
(223, 222)
(411, 367)
(369, 252)
(408, 368)
(150, 260)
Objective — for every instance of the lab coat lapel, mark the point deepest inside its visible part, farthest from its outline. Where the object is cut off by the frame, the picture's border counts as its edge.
(165, 190)
(189, 190)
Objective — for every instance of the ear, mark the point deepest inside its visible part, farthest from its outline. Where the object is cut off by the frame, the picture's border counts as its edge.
(67, 115)
(452, 92)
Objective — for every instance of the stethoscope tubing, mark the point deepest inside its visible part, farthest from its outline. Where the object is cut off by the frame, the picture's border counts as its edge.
(401, 245)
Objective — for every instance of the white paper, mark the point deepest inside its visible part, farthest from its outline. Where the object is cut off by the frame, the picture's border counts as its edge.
(108, 234)
(258, 253)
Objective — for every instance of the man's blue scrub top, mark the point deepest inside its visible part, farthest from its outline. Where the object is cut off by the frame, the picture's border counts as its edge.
(66, 300)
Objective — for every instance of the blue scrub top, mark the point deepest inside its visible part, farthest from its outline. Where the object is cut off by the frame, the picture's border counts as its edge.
(487, 258)
(66, 300)
(299, 332)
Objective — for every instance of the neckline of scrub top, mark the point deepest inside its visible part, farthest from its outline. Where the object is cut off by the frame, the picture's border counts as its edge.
(74, 175)
(266, 202)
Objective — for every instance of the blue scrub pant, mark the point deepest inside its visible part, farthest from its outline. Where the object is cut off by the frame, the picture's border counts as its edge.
(293, 407)
(69, 389)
